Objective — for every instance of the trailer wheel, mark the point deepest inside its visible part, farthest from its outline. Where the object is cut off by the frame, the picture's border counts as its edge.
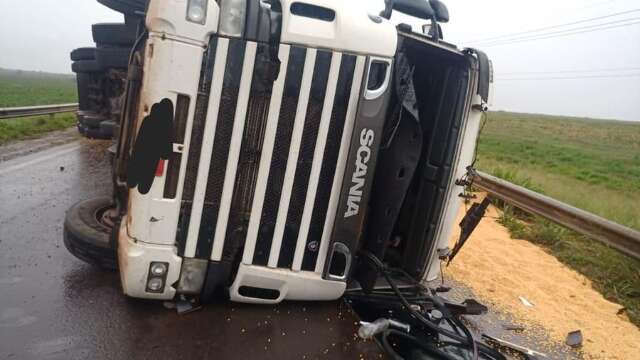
(109, 128)
(113, 57)
(85, 53)
(90, 119)
(114, 34)
(86, 66)
(87, 236)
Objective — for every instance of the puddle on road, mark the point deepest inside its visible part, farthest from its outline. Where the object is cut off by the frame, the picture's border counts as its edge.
(60, 348)
(15, 317)
(10, 280)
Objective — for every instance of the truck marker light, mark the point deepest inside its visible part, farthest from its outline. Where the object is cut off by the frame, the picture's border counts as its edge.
(232, 17)
(157, 276)
(197, 11)
(160, 168)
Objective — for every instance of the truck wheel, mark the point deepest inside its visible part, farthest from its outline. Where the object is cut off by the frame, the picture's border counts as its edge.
(127, 7)
(109, 128)
(86, 53)
(90, 120)
(113, 57)
(97, 133)
(86, 66)
(86, 235)
(115, 34)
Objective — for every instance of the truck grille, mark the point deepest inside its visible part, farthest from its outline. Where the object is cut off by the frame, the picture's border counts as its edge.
(264, 160)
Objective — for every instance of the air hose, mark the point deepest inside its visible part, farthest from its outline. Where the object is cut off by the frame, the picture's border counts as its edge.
(463, 341)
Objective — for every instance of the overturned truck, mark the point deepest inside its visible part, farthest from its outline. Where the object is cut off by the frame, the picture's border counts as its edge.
(287, 150)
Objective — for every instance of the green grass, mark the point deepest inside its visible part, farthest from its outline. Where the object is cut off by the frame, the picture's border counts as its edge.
(30, 88)
(26, 128)
(591, 164)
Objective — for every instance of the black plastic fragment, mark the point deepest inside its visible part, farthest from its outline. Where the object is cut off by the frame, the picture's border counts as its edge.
(574, 339)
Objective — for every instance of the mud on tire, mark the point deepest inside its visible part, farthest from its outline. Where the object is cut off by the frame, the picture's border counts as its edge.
(86, 237)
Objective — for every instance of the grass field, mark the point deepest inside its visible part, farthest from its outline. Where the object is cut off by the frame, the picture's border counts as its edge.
(591, 164)
(29, 88)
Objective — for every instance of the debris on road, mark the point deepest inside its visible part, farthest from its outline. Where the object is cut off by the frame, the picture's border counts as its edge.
(513, 327)
(529, 353)
(574, 339)
(499, 269)
(186, 306)
(526, 302)
(170, 305)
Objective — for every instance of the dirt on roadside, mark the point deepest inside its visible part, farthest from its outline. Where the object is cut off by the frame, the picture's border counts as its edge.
(16, 149)
(509, 272)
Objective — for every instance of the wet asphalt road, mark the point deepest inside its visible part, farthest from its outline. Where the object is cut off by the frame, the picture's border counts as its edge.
(53, 306)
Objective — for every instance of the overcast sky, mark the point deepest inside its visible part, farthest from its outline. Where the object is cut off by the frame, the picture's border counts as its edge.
(39, 34)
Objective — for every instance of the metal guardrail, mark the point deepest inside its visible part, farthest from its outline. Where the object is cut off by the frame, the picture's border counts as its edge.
(617, 236)
(18, 112)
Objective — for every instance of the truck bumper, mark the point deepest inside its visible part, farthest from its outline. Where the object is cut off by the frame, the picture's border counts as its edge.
(134, 260)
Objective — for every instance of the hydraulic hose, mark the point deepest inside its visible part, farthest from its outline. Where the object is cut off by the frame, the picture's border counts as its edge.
(467, 341)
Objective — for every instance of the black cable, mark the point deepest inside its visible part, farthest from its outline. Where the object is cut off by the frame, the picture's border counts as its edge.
(467, 333)
(494, 354)
(382, 268)
(415, 341)
(461, 341)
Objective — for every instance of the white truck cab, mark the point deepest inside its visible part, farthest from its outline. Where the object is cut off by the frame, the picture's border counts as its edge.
(265, 144)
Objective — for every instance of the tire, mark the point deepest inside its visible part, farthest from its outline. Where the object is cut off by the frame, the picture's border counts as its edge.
(83, 81)
(86, 237)
(97, 133)
(113, 57)
(127, 7)
(114, 34)
(81, 129)
(86, 66)
(90, 119)
(85, 53)
(109, 128)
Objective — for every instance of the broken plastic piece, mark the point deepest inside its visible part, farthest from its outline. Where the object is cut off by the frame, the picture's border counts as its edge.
(169, 305)
(469, 224)
(443, 254)
(530, 354)
(474, 307)
(368, 330)
(574, 339)
(513, 327)
(185, 306)
(526, 302)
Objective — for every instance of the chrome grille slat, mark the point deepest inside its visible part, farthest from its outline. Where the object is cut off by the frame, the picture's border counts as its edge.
(263, 181)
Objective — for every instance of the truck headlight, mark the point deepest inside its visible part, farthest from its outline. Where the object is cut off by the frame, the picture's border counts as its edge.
(158, 269)
(197, 11)
(157, 277)
(155, 285)
(232, 17)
